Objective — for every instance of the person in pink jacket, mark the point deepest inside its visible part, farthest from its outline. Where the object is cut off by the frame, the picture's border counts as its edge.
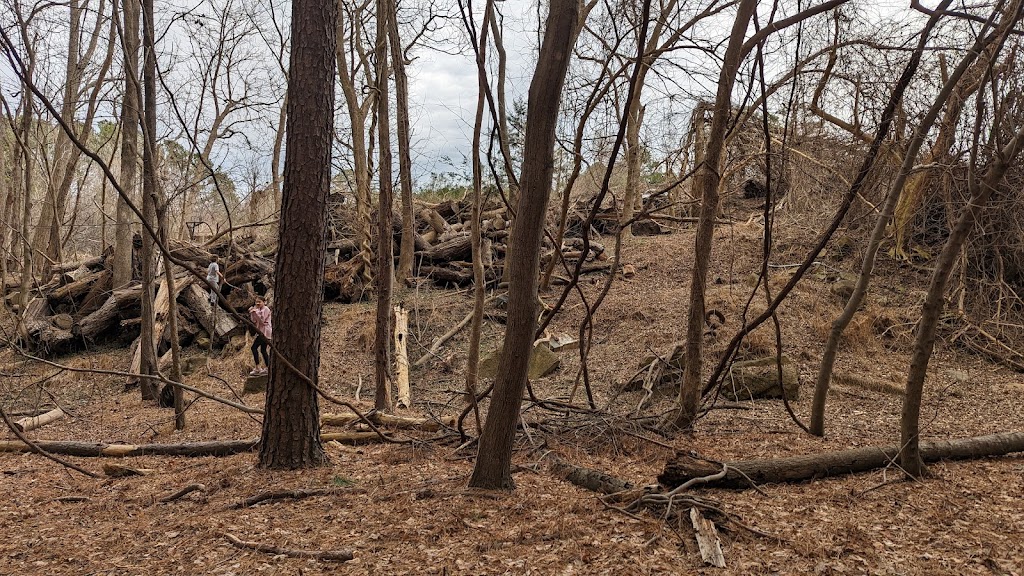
(260, 316)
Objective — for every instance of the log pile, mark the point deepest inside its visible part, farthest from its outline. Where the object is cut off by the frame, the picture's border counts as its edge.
(78, 306)
(444, 253)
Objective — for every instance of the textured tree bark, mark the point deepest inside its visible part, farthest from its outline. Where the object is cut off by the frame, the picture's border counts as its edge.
(493, 465)
(291, 421)
(911, 459)
(385, 245)
(705, 185)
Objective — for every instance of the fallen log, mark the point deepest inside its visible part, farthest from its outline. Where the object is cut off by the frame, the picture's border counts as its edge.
(434, 220)
(593, 480)
(351, 437)
(97, 295)
(94, 262)
(284, 495)
(457, 248)
(740, 474)
(68, 294)
(219, 324)
(100, 449)
(389, 420)
(118, 306)
(31, 423)
(443, 276)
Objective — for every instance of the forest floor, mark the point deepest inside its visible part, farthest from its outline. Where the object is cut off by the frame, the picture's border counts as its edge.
(405, 509)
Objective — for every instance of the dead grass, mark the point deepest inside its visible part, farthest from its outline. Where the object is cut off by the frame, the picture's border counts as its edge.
(404, 509)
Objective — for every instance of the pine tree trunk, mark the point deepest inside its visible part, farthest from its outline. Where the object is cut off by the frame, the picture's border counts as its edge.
(291, 421)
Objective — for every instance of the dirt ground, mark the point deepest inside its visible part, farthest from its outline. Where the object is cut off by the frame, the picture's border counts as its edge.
(405, 509)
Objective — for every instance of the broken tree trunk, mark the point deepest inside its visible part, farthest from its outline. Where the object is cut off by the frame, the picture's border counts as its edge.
(26, 424)
(707, 539)
(799, 468)
(161, 306)
(402, 356)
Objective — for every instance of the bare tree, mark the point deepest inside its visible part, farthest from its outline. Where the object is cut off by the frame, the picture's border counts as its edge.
(354, 71)
(983, 181)
(122, 258)
(47, 239)
(706, 184)
(405, 253)
(493, 465)
(906, 174)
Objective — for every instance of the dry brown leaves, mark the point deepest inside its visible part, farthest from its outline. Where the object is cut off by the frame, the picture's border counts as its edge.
(405, 509)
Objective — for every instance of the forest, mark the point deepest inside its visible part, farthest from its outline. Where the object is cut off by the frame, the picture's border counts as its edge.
(512, 287)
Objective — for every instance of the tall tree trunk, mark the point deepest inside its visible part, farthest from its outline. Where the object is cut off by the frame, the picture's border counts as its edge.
(122, 257)
(493, 465)
(817, 424)
(149, 201)
(934, 302)
(706, 183)
(408, 247)
(473, 355)
(385, 244)
(633, 121)
(291, 421)
(357, 113)
(26, 205)
(172, 317)
(47, 234)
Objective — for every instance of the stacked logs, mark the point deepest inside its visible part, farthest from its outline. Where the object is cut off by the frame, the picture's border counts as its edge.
(79, 307)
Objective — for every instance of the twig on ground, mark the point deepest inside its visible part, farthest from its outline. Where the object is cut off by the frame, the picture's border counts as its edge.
(331, 555)
(283, 495)
(183, 492)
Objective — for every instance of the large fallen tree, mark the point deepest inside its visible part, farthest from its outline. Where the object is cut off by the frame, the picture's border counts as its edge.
(686, 466)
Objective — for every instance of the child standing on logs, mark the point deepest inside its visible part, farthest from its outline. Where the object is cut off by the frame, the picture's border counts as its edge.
(214, 276)
(260, 316)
